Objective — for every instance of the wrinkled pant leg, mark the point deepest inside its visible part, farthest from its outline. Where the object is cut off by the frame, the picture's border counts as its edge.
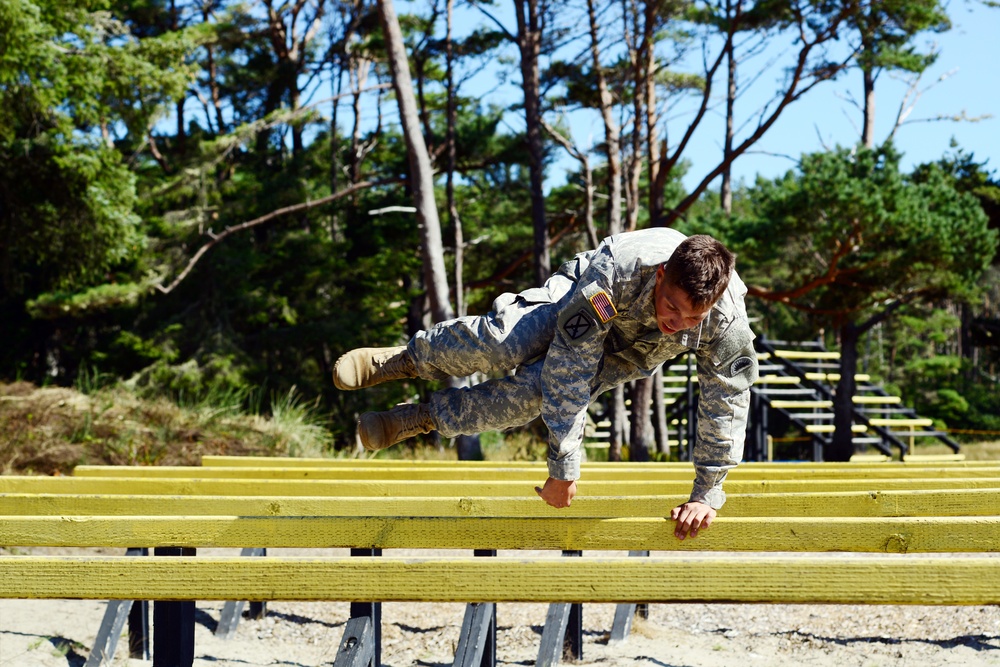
(518, 329)
(493, 405)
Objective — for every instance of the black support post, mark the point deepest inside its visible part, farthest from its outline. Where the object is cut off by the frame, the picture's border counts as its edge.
(574, 630)
(173, 624)
(372, 610)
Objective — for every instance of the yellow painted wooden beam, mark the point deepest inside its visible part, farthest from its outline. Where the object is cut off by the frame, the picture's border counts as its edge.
(835, 377)
(789, 404)
(877, 400)
(806, 354)
(830, 428)
(877, 535)
(740, 579)
(933, 458)
(412, 473)
(779, 379)
(454, 488)
(900, 422)
(955, 502)
(431, 473)
(284, 461)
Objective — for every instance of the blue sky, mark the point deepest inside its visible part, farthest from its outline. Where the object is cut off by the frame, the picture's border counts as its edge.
(965, 78)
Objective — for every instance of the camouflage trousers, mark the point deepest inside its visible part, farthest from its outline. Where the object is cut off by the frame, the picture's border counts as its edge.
(513, 338)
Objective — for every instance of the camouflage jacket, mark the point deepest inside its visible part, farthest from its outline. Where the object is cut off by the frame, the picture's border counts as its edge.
(607, 335)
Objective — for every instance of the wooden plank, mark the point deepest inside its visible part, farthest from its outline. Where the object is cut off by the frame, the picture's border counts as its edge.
(900, 421)
(835, 377)
(450, 488)
(418, 473)
(796, 405)
(973, 580)
(934, 502)
(830, 428)
(806, 354)
(876, 400)
(586, 466)
(778, 379)
(873, 535)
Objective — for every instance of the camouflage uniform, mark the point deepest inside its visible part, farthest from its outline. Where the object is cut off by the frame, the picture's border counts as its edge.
(590, 328)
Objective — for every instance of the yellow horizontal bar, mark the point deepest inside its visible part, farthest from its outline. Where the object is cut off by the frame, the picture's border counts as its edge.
(393, 488)
(791, 404)
(835, 377)
(429, 474)
(953, 502)
(740, 579)
(876, 400)
(830, 428)
(919, 421)
(933, 458)
(778, 379)
(806, 354)
(285, 461)
(873, 535)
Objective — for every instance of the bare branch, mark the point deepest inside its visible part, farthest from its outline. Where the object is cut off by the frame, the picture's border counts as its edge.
(496, 21)
(232, 229)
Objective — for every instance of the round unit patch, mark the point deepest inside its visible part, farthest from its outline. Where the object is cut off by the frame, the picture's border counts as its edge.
(740, 365)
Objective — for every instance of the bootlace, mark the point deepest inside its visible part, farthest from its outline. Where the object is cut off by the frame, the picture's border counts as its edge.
(399, 363)
(415, 419)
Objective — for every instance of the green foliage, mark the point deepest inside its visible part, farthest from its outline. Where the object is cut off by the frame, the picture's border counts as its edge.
(849, 233)
(68, 214)
(887, 28)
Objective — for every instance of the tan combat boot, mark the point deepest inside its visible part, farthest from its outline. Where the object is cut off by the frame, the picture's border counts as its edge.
(369, 366)
(379, 430)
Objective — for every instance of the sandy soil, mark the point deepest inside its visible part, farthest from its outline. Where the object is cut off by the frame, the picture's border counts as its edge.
(60, 633)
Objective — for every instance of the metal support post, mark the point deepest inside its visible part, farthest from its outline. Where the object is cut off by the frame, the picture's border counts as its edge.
(372, 610)
(357, 647)
(626, 611)
(173, 624)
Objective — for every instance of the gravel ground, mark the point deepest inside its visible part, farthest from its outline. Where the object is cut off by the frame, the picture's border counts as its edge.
(60, 633)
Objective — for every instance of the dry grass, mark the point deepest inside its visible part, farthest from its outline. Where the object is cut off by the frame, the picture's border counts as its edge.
(49, 430)
(973, 451)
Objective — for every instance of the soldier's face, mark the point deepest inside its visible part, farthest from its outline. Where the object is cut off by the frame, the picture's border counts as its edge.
(674, 311)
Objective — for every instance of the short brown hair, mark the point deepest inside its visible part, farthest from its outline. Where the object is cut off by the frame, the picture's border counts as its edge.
(700, 266)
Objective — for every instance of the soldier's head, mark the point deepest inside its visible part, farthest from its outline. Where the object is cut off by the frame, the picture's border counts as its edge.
(691, 281)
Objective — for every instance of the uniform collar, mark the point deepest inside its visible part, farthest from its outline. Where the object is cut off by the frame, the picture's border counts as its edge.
(643, 310)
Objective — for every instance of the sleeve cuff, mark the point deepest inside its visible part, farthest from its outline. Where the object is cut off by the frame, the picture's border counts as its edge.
(714, 497)
(567, 468)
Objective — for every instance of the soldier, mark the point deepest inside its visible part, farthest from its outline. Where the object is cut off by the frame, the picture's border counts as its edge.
(608, 316)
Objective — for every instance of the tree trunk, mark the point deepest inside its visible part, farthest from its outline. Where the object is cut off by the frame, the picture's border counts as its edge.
(868, 131)
(421, 173)
(727, 174)
(619, 423)
(641, 433)
(469, 447)
(181, 118)
(866, 27)
(612, 135)
(529, 41)
(842, 446)
(660, 429)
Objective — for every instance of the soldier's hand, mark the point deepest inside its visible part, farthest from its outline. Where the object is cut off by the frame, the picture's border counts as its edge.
(691, 517)
(557, 492)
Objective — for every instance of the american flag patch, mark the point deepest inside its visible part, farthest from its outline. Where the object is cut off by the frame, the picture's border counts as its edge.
(603, 307)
